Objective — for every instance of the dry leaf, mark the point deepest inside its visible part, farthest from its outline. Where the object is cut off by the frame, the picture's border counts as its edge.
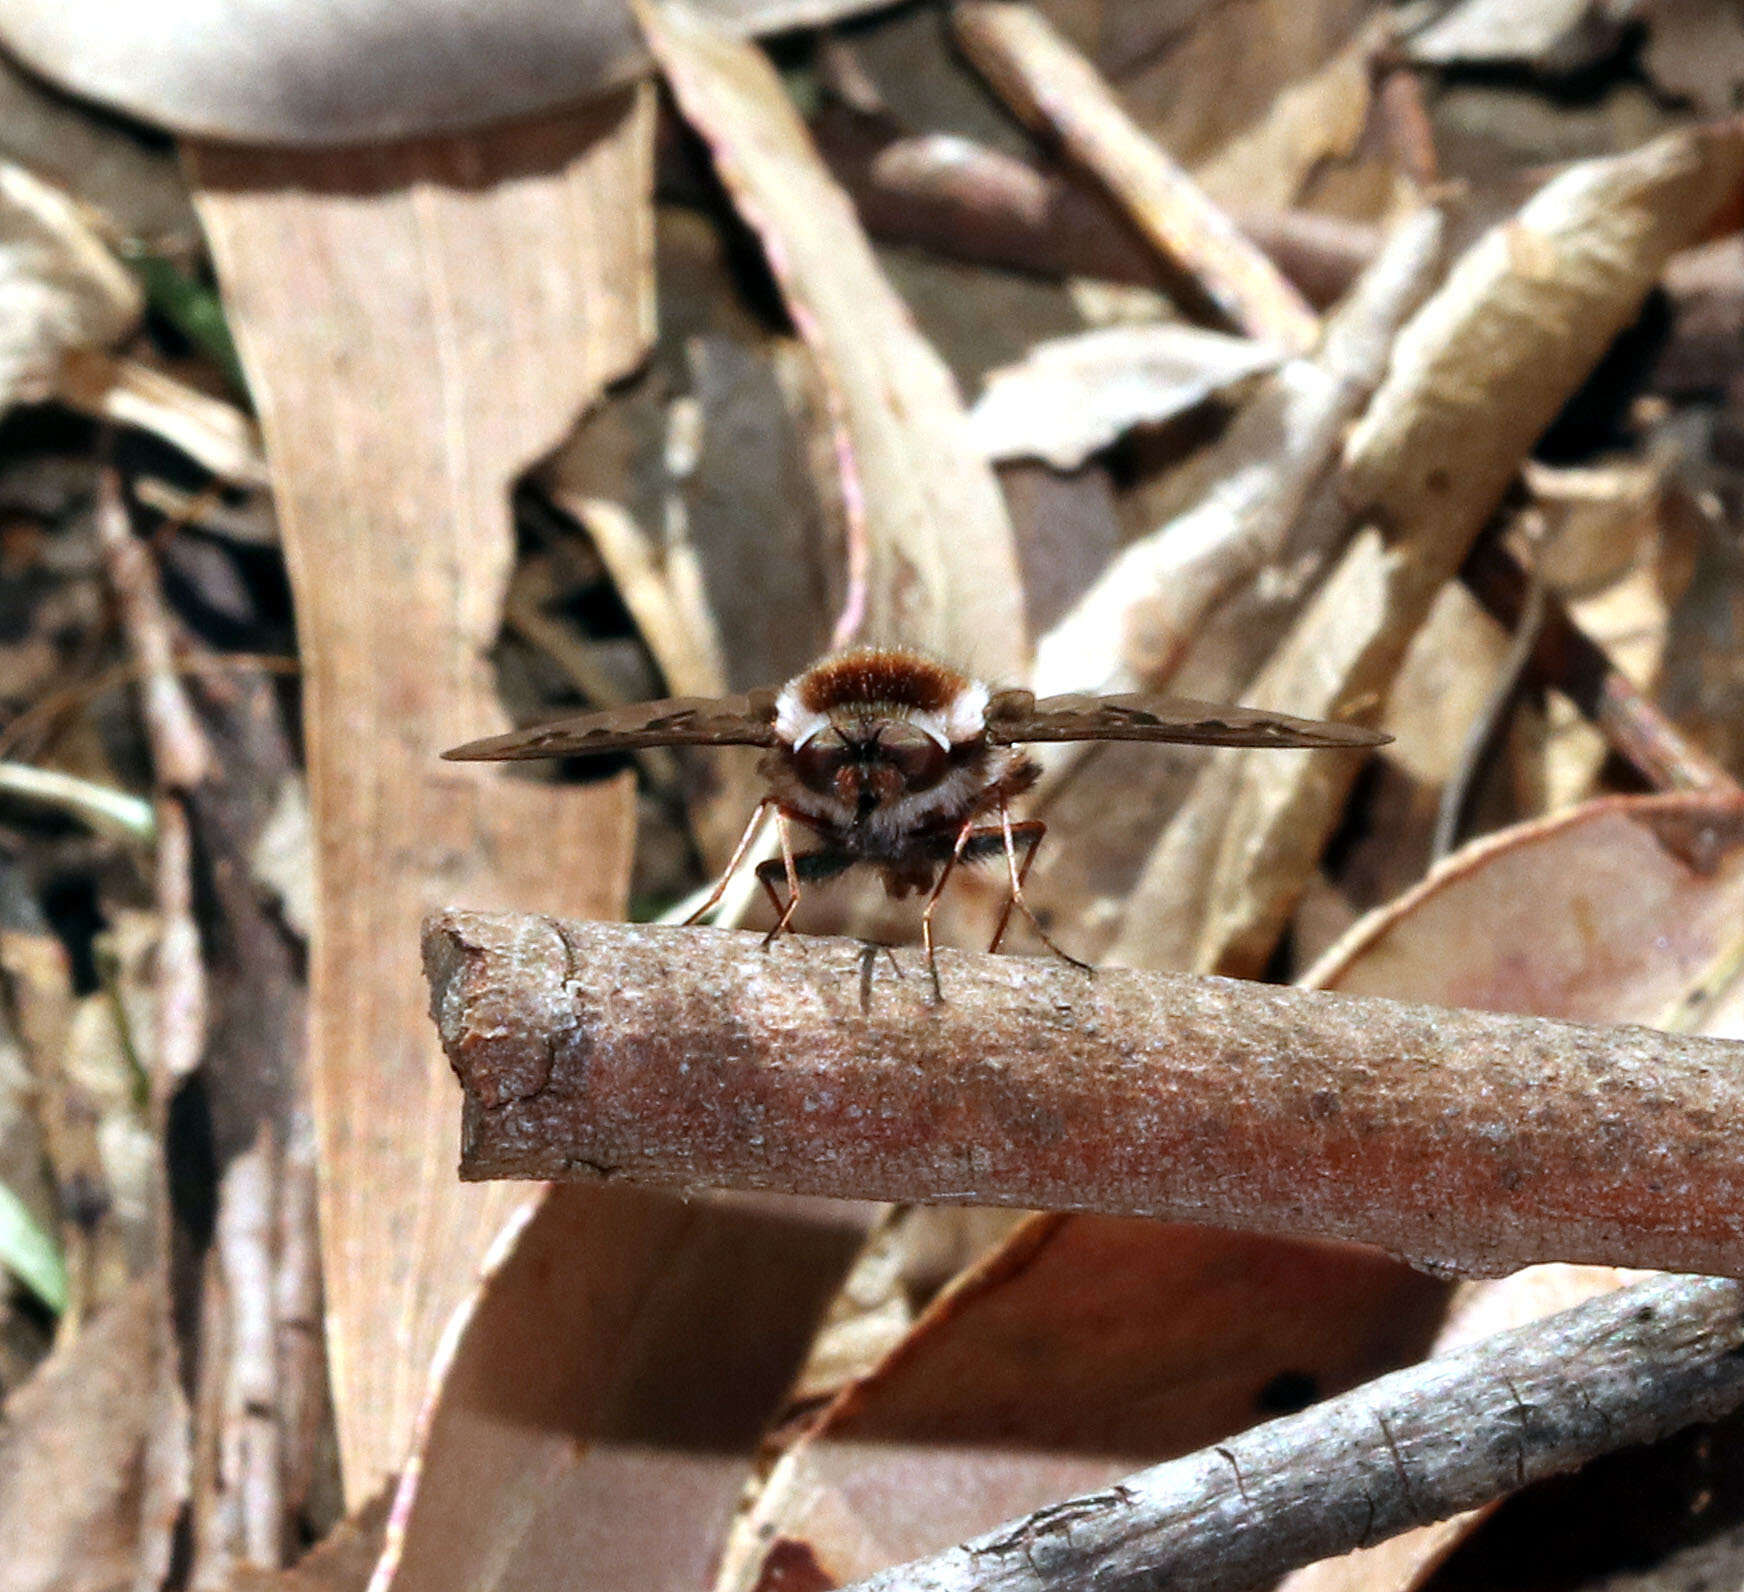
(1319, 118)
(931, 555)
(1476, 375)
(445, 309)
(1071, 396)
(1085, 1347)
(1553, 35)
(60, 288)
(73, 1454)
(1191, 73)
(604, 1392)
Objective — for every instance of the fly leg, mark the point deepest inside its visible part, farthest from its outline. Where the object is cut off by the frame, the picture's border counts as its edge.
(733, 862)
(964, 835)
(812, 868)
(1030, 831)
(768, 872)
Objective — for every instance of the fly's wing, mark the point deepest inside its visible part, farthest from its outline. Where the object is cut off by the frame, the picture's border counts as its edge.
(678, 721)
(1017, 716)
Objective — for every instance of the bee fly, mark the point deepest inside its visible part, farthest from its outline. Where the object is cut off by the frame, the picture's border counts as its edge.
(891, 758)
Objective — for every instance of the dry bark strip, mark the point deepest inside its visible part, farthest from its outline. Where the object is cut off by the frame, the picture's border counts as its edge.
(1461, 1140)
(1423, 1443)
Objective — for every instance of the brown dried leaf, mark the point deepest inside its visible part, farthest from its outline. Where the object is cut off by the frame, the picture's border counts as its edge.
(1085, 1346)
(1191, 73)
(1477, 374)
(73, 1454)
(1625, 910)
(1614, 912)
(445, 309)
(1071, 396)
(1320, 117)
(931, 555)
(606, 1389)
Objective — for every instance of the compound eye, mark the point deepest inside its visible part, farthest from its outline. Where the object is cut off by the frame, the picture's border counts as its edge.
(819, 759)
(914, 754)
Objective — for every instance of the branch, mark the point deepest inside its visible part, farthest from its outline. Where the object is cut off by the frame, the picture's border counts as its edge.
(1419, 1445)
(1566, 656)
(1049, 86)
(1463, 1140)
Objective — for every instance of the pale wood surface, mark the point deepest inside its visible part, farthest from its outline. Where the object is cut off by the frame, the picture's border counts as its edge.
(419, 323)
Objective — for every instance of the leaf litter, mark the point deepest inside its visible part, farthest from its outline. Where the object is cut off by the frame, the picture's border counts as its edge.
(853, 235)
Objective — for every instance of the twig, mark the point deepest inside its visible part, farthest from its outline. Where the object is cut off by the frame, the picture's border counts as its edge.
(103, 808)
(181, 760)
(1049, 85)
(1464, 1140)
(40, 717)
(1416, 1446)
(180, 755)
(1567, 657)
(1481, 738)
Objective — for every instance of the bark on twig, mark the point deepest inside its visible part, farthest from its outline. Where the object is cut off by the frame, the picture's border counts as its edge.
(1462, 1140)
(1406, 1449)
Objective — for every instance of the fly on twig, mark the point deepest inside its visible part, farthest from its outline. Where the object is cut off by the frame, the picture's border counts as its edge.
(893, 759)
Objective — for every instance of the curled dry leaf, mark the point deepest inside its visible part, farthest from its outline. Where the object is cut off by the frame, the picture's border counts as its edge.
(292, 74)
(1318, 118)
(1085, 1347)
(1625, 910)
(602, 1394)
(1476, 375)
(931, 556)
(1557, 35)
(1071, 396)
(211, 432)
(447, 307)
(65, 300)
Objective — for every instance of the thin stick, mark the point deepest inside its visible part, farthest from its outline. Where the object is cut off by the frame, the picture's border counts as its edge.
(1486, 728)
(1422, 1444)
(180, 755)
(1567, 657)
(1049, 85)
(1472, 1142)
